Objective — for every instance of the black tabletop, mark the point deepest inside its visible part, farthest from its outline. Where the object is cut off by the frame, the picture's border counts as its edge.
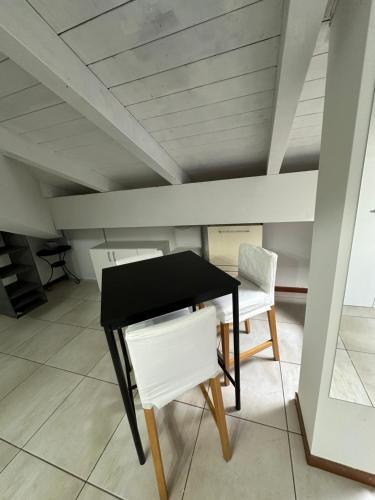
(145, 289)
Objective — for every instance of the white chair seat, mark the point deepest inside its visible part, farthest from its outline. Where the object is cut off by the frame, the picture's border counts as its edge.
(252, 301)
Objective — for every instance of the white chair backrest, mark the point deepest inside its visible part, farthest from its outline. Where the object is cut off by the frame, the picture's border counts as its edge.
(136, 258)
(258, 265)
(172, 357)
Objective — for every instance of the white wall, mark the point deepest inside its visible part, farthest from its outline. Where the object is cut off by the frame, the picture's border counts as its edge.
(81, 242)
(360, 286)
(292, 242)
(336, 430)
(22, 208)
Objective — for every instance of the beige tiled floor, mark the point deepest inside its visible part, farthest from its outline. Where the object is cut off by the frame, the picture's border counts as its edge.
(63, 433)
(354, 370)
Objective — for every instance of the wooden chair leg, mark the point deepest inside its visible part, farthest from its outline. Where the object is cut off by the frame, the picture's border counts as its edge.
(272, 324)
(220, 417)
(156, 454)
(208, 401)
(247, 325)
(224, 332)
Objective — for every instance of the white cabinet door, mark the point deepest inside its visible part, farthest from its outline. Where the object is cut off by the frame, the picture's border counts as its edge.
(122, 254)
(146, 251)
(101, 259)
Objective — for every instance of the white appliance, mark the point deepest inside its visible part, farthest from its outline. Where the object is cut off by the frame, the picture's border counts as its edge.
(113, 253)
(224, 242)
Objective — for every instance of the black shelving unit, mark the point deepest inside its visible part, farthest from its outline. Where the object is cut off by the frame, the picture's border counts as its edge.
(20, 287)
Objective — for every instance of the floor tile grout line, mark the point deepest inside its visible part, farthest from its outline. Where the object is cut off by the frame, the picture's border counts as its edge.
(22, 381)
(252, 421)
(291, 466)
(360, 378)
(18, 452)
(114, 495)
(20, 449)
(42, 459)
(190, 404)
(38, 457)
(53, 412)
(287, 425)
(192, 455)
(55, 368)
(106, 446)
(44, 327)
(80, 491)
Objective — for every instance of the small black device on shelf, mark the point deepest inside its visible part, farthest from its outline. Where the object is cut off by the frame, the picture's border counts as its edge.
(55, 249)
(20, 287)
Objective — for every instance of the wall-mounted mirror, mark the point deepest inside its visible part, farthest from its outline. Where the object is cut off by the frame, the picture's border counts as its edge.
(353, 377)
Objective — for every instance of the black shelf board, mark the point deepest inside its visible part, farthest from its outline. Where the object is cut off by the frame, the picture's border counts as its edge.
(4, 250)
(19, 288)
(27, 299)
(21, 311)
(12, 269)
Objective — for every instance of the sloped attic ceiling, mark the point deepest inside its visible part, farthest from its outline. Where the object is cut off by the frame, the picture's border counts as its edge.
(199, 77)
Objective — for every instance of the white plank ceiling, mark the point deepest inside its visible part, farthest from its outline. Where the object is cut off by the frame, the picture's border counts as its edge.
(32, 111)
(305, 136)
(198, 75)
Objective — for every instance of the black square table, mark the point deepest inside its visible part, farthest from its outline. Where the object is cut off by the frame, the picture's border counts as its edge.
(142, 290)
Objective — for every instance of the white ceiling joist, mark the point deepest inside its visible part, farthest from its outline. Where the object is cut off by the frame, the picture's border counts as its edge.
(21, 149)
(302, 22)
(27, 39)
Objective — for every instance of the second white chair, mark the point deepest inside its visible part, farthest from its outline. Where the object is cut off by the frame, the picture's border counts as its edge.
(169, 358)
(257, 273)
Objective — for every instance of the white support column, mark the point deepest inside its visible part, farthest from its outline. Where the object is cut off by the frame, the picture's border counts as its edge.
(338, 431)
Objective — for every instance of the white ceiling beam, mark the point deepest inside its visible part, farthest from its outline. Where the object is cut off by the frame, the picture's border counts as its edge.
(21, 149)
(266, 198)
(27, 39)
(302, 22)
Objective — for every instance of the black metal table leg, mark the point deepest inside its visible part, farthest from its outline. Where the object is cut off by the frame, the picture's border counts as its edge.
(127, 365)
(236, 341)
(125, 394)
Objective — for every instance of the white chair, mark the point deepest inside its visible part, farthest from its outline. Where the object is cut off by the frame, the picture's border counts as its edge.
(257, 273)
(170, 358)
